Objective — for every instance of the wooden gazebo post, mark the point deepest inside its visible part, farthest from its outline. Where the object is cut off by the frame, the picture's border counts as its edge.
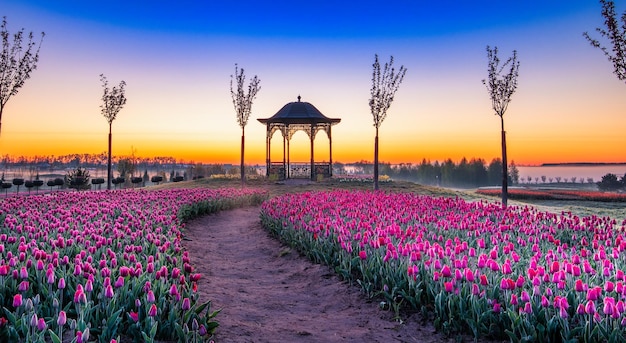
(330, 150)
(312, 155)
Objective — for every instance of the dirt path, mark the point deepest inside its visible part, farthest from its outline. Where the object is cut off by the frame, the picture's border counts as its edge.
(269, 293)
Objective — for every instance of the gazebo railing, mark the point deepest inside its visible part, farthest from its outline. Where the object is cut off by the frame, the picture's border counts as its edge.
(278, 169)
(299, 170)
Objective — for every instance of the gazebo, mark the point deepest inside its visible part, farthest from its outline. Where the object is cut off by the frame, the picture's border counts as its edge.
(288, 120)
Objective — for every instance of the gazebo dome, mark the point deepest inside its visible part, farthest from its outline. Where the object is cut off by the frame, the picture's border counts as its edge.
(299, 112)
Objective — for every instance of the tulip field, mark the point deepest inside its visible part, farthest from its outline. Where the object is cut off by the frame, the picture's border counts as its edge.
(102, 266)
(518, 274)
(555, 194)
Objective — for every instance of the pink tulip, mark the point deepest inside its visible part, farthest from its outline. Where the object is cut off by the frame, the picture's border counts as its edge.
(578, 285)
(23, 286)
(124, 271)
(61, 284)
(119, 283)
(475, 289)
(506, 268)
(590, 307)
(17, 300)
(41, 324)
(609, 306)
(469, 275)
(513, 300)
(594, 293)
(150, 297)
(62, 319)
(563, 313)
(528, 308)
(186, 305)
(153, 311)
(108, 292)
(445, 271)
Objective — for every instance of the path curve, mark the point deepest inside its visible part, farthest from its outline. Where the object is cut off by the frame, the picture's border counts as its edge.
(269, 293)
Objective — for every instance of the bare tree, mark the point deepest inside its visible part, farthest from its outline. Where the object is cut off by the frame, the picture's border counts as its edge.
(16, 62)
(385, 83)
(243, 106)
(616, 34)
(113, 99)
(501, 87)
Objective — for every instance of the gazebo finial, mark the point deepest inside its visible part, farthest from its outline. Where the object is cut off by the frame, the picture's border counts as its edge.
(299, 97)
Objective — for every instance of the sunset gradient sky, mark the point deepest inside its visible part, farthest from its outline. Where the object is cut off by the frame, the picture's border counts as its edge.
(177, 58)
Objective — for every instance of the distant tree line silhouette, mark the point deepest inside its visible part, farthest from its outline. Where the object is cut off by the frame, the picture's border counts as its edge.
(475, 172)
(84, 160)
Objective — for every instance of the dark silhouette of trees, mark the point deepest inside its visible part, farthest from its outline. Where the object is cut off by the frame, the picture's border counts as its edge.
(17, 61)
(78, 179)
(610, 182)
(113, 99)
(384, 87)
(501, 87)
(243, 106)
(471, 173)
(615, 33)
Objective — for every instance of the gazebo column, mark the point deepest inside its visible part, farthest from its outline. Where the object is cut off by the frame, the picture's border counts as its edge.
(268, 150)
(288, 157)
(284, 156)
(312, 156)
(330, 148)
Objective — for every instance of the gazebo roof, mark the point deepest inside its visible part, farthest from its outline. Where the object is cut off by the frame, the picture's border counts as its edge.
(299, 112)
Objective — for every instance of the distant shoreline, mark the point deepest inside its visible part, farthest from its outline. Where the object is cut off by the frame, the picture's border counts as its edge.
(582, 164)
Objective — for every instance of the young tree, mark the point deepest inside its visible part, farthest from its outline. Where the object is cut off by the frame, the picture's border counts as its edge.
(243, 106)
(16, 62)
(616, 34)
(113, 99)
(501, 87)
(385, 83)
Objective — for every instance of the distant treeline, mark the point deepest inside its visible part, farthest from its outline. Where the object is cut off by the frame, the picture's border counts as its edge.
(473, 173)
(82, 160)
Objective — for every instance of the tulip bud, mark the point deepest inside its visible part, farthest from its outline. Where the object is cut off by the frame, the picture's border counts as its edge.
(62, 319)
(186, 304)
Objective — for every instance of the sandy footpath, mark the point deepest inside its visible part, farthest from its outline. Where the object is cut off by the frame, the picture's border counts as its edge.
(269, 293)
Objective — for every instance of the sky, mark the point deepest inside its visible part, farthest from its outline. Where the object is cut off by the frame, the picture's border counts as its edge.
(177, 59)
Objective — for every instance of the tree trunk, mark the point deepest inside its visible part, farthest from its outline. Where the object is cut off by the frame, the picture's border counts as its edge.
(243, 171)
(505, 174)
(109, 161)
(1, 110)
(376, 161)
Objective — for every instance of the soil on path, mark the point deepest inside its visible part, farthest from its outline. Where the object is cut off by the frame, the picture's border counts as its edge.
(269, 293)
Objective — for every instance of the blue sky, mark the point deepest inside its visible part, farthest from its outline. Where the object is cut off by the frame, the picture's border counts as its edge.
(177, 58)
(314, 19)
